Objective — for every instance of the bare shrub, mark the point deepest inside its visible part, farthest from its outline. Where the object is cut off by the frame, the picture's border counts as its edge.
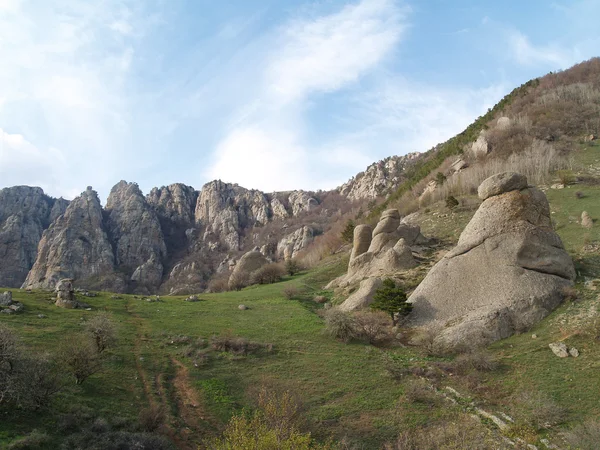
(462, 433)
(541, 410)
(476, 360)
(579, 195)
(225, 342)
(373, 327)
(102, 331)
(340, 324)
(219, 284)
(80, 357)
(420, 391)
(26, 380)
(585, 436)
(281, 410)
(566, 177)
(268, 274)
(426, 338)
(291, 292)
(150, 419)
(239, 280)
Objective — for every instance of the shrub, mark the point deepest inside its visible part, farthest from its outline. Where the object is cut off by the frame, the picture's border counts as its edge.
(462, 433)
(273, 426)
(291, 292)
(419, 391)
(391, 299)
(440, 178)
(292, 267)
(225, 342)
(117, 440)
(476, 360)
(102, 331)
(585, 436)
(34, 440)
(566, 177)
(426, 339)
(579, 195)
(451, 202)
(239, 280)
(267, 274)
(150, 419)
(340, 324)
(373, 327)
(348, 232)
(542, 411)
(219, 284)
(80, 357)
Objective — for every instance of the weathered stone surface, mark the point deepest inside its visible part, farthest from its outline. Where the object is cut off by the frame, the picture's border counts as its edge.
(508, 271)
(480, 147)
(503, 123)
(361, 241)
(559, 349)
(363, 296)
(76, 246)
(501, 183)
(301, 201)
(573, 352)
(379, 178)
(6, 298)
(137, 237)
(586, 220)
(278, 209)
(388, 222)
(248, 263)
(290, 245)
(24, 214)
(65, 294)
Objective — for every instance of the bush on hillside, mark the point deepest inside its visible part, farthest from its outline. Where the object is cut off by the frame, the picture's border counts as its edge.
(80, 357)
(348, 232)
(451, 202)
(238, 280)
(372, 327)
(102, 331)
(340, 324)
(268, 274)
(292, 267)
(585, 436)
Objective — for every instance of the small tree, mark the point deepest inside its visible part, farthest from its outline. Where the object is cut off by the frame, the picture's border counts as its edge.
(391, 299)
(80, 356)
(348, 232)
(292, 267)
(102, 331)
(451, 202)
(440, 178)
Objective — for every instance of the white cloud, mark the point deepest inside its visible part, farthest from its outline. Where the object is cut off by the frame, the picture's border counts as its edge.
(527, 54)
(267, 145)
(64, 85)
(327, 53)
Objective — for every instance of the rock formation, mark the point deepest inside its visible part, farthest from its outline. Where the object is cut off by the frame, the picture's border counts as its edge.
(508, 271)
(137, 237)
(480, 147)
(377, 254)
(586, 220)
(293, 243)
(25, 212)
(65, 294)
(247, 264)
(379, 178)
(76, 246)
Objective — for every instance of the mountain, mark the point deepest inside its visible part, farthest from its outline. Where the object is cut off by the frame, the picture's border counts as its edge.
(176, 238)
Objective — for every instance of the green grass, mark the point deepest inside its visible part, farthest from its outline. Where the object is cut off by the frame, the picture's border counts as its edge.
(344, 387)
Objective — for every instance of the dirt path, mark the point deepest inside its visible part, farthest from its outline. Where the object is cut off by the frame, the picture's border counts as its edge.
(186, 417)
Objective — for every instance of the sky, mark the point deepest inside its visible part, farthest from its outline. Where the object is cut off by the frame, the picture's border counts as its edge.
(269, 94)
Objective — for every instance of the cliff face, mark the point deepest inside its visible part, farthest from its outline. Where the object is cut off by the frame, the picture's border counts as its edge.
(172, 240)
(76, 245)
(24, 214)
(379, 179)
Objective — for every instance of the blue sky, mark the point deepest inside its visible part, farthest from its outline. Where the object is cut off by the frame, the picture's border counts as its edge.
(273, 95)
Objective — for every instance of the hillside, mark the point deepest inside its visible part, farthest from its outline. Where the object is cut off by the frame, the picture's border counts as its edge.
(266, 358)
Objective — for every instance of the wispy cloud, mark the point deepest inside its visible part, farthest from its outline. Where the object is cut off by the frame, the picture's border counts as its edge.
(526, 53)
(268, 146)
(63, 84)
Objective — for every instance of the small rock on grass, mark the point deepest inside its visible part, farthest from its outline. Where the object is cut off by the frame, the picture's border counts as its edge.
(559, 349)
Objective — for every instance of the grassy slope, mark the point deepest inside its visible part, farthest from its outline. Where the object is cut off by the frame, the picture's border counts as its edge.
(345, 388)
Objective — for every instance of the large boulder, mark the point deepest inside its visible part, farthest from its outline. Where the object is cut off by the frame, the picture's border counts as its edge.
(363, 296)
(65, 294)
(6, 298)
(247, 264)
(508, 271)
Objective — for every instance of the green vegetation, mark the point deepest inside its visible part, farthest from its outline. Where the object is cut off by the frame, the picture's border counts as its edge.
(391, 299)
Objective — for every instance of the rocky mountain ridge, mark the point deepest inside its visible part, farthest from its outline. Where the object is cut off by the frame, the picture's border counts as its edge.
(175, 237)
